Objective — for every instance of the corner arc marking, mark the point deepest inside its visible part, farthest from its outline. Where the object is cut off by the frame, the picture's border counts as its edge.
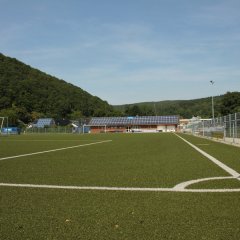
(183, 185)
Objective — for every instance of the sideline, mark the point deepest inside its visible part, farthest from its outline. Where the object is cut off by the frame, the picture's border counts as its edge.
(53, 150)
(130, 189)
(229, 170)
(47, 140)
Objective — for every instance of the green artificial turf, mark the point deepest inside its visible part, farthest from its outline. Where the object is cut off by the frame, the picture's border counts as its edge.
(22, 144)
(216, 184)
(69, 214)
(228, 154)
(130, 160)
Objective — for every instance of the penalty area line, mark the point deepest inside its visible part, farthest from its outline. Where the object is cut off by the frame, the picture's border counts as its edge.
(54, 150)
(129, 189)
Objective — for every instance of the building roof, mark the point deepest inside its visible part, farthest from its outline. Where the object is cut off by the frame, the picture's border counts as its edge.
(44, 122)
(138, 120)
(62, 122)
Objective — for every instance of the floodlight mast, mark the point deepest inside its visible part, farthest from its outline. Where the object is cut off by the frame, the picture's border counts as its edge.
(213, 118)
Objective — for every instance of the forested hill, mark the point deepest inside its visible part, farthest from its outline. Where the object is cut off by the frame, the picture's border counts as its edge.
(29, 93)
(223, 104)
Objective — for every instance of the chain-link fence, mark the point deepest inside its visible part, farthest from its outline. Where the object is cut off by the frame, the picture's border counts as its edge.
(226, 128)
(50, 130)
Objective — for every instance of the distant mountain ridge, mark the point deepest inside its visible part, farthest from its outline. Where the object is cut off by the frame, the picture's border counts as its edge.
(185, 108)
(30, 91)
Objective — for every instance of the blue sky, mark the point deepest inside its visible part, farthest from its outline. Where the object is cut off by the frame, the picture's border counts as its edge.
(127, 51)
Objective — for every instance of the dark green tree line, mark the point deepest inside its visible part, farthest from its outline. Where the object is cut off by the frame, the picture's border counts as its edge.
(29, 93)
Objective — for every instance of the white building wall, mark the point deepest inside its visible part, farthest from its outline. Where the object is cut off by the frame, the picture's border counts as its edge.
(161, 128)
(165, 128)
(171, 129)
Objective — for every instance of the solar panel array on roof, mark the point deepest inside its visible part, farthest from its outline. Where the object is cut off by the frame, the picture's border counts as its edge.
(143, 120)
(42, 122)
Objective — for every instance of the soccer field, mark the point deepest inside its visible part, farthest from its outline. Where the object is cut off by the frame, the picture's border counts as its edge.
(118, 186)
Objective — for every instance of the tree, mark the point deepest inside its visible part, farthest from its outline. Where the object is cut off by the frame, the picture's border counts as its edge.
(147, 110)
(133, 110)
(11, 114)
(36, 115)
(230, 103)
(76, 115)
(33, 91)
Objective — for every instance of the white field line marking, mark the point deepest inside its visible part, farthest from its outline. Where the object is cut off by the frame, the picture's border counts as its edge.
(130, 189)
(183, 185)
(217, 162)
(53, 150)
(47, 140)
(178, 188)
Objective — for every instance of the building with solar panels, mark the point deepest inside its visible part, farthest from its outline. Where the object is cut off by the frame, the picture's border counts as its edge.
(134, 124)
(44, 122)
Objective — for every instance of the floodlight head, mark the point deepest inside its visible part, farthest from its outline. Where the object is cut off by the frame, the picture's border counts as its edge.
(212, 82)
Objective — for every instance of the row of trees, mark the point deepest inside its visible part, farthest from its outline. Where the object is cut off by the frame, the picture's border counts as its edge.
(225, 104)
(27, 94)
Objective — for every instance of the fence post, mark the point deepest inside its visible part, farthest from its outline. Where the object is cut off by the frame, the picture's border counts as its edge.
(225, 126)
(236, 133)
(233, 132)
(203, 128)
(230, 126)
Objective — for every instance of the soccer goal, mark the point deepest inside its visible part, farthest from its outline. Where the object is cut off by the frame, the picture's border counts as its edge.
(4, 126)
